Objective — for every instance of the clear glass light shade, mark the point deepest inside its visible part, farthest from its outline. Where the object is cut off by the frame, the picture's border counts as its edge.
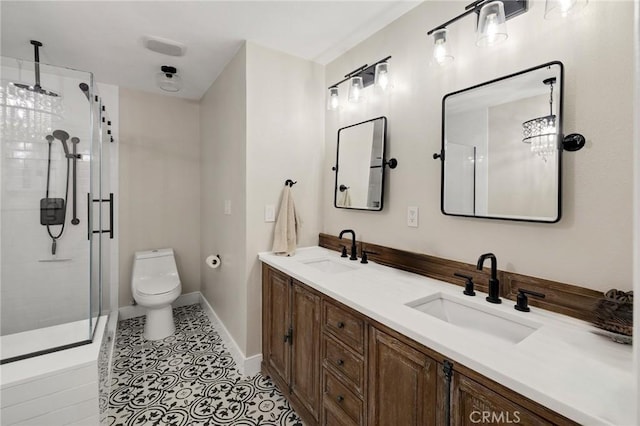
(563, 8)
(492, 24)
(542, 134)
(169, 82)
(441, 51)
(333, 101)
(382, 81)
(355, 89)
(27, 115)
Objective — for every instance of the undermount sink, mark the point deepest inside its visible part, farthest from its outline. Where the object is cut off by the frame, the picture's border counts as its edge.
(455, 311)
(328, 265)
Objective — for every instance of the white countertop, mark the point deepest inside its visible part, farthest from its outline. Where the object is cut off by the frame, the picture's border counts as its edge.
(563, 365)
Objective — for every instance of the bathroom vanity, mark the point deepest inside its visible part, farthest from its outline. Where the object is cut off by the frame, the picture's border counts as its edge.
(355, 344)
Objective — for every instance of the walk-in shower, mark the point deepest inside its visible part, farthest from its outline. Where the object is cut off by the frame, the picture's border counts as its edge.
(54, 250)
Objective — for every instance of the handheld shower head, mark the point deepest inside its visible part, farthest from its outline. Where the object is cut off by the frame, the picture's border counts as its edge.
(63, 137)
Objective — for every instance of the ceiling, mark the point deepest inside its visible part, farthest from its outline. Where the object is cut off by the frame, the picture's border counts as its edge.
(106, 37)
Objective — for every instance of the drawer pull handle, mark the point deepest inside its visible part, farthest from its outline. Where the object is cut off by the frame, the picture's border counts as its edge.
(340, 362)
(340, 324)
(340, 398)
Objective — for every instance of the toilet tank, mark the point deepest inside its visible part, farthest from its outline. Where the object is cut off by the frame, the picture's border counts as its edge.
(154, 263)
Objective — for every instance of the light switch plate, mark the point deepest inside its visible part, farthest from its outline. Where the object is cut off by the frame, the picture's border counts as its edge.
(269, 213)
(412, 216)
(227, 207)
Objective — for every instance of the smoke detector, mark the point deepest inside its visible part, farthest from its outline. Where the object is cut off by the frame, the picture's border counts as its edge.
(164, 46)
(168, 79)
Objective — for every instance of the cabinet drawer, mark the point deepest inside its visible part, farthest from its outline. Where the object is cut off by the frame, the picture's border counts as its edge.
(337, 398)
(335, 419)
(348, 328)
(343, 362)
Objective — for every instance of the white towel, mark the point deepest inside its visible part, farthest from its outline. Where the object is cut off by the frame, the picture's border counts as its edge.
(285, 236)
(345, 200)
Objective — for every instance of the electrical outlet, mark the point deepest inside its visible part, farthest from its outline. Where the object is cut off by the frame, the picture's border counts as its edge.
(227, 207)
(412, 216)
(269, 213)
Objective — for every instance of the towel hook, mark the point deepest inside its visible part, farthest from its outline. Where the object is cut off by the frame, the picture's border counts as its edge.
(290, 182)
(343, 188)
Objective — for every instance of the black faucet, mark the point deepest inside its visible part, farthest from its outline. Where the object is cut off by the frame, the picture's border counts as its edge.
(494, 284)
(354, 249)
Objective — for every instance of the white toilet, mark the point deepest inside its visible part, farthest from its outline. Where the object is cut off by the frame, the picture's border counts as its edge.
(155, 284)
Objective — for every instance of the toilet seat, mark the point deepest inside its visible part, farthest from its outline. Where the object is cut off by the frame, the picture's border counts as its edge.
(157, 286)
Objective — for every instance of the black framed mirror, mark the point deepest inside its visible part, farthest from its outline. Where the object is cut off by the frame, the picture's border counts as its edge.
(360, 164)
(501, 153)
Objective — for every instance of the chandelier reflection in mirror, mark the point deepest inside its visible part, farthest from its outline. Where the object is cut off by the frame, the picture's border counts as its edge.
(28, 111)
(541, 132)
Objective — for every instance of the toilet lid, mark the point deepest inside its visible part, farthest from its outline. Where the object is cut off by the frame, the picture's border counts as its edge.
(158, 285)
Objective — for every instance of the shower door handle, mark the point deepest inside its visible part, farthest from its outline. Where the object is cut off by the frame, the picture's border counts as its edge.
(110, 201)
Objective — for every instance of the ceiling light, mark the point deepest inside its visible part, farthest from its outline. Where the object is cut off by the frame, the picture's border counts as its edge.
(542, 132)
(168, 79)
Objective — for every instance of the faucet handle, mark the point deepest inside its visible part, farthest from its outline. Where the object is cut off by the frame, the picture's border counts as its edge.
(344, 252)
(522, 302)
(468, 284)
(364, 256)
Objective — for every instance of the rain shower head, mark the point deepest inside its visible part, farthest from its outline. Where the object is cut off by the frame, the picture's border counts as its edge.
(37, 88)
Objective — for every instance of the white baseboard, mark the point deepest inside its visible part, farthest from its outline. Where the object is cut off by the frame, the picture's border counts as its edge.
(246, 366)
(133, 311)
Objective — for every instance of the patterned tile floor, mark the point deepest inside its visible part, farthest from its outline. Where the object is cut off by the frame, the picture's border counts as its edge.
(187, 379)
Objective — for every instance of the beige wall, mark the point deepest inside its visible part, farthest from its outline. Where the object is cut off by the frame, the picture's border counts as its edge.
(159, 204)
(591, 246)
(285, 112)
(261, 123)
(223, 119)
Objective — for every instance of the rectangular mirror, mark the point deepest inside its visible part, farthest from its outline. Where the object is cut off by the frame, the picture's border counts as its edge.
(501, 156)
(360, 165)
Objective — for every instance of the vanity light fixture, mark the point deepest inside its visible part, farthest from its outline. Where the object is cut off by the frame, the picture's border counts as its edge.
(563, 8)
(333, 102)
(491, 24)
(360, 78)
(441, 52)
(355, 89)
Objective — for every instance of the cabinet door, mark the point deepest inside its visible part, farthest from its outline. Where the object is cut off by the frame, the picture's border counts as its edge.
(402, 383)
(473, 403)
(305, 354)
(276, 316)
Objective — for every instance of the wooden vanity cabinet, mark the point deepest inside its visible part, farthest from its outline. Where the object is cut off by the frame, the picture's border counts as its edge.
(291, 341)
(338, 367)
(402, 383)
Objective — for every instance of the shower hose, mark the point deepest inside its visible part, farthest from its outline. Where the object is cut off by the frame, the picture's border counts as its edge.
(54, 238)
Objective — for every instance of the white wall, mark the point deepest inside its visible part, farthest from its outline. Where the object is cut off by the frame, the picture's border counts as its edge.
(591, 245)
(159, 172)
(636, 199)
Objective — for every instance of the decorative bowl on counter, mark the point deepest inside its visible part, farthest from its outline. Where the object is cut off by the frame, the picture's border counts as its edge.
(614, 314)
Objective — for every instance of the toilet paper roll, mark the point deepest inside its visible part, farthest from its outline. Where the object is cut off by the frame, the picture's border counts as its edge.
(213, 261)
